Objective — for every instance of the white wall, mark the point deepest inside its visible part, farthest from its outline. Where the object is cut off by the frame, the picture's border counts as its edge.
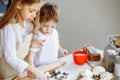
(85, 21)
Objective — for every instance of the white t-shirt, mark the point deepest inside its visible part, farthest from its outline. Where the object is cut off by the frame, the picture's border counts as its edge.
(49, 51)
(8, 40)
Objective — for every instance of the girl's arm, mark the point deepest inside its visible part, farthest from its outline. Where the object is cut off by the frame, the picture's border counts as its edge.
(9, 41)
(63, 51)
(30, 57)
(37, 43)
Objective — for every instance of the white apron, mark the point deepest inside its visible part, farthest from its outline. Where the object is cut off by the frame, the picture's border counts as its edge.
(6, 71)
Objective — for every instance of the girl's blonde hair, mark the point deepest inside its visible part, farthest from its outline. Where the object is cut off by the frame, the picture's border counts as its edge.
(49, 11)
(12, 15)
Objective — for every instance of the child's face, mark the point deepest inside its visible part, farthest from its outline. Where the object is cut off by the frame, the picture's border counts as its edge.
(28, 12)
(48, 27)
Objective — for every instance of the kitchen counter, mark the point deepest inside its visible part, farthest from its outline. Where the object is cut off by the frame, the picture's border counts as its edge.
(70, 67)
(74, 69)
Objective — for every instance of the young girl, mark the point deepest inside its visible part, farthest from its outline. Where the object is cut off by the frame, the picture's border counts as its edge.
(16, 28)
(49, 17)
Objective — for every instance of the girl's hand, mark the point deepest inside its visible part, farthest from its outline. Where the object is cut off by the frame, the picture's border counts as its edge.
(37, 43)
(64, 51)
(31, 75)
(36, 72)
(40, 75)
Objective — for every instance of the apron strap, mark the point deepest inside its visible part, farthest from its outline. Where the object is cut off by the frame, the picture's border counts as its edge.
(18, 33)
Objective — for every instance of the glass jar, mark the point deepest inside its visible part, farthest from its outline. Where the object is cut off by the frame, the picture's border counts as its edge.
(117, 67)
(110, 57)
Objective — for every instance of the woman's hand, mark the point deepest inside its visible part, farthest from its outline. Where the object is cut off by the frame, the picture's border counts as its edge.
(37, 43)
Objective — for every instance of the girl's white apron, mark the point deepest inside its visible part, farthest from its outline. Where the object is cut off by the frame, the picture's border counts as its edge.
(6, 71)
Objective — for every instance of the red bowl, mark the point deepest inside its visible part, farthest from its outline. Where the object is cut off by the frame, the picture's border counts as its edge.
(80, 57)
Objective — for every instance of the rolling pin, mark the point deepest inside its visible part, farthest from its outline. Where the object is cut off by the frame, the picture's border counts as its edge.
(52, 66)
(45, 68)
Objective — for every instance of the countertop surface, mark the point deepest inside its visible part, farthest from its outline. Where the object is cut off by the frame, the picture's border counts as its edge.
(74, 69)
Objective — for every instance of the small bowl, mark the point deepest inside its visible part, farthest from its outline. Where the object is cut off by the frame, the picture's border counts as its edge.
(80, 57)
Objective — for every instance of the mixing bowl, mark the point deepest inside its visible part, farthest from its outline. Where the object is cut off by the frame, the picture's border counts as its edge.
(80, 57)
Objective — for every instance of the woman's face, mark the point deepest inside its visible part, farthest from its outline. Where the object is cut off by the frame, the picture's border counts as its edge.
(48, 27)
(28, 12)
